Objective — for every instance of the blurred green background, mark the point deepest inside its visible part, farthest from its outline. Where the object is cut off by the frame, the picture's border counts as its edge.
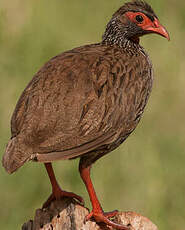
(147, 173)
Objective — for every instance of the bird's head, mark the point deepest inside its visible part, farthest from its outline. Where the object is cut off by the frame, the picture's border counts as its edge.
(133, 20)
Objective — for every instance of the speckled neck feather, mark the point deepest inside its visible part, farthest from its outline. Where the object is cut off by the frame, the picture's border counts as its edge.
(114, 35)
(117, 33)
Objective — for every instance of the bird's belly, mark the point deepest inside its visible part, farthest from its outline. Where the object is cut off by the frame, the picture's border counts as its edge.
(127, 115)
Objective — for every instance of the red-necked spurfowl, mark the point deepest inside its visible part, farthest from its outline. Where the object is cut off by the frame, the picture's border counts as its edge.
(85, 102)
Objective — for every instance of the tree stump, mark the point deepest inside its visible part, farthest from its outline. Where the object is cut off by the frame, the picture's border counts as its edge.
(67, 214)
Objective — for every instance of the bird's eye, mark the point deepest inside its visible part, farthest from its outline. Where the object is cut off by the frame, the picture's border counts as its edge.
(139, 18)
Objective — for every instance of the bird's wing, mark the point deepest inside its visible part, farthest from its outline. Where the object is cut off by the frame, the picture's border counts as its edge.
(68, 107)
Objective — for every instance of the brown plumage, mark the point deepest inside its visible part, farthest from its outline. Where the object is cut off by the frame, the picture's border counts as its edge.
(85, 102)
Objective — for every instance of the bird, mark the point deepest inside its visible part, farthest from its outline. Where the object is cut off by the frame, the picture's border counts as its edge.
(85, 102)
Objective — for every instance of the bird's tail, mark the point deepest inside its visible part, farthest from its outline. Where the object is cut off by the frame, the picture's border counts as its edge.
(14, 157)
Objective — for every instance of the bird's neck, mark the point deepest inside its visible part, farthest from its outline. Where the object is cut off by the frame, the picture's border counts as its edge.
(115, 36)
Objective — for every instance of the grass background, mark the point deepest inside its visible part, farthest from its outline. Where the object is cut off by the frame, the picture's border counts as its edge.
(148, 173)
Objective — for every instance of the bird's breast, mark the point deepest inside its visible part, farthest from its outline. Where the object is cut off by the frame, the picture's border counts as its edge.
(126, 91)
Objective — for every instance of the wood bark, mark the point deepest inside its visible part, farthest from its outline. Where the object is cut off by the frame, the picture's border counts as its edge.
(67, 214)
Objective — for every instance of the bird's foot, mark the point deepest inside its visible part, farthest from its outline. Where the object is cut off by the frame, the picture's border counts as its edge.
(58, 194)
(106, 214)
(103, 217)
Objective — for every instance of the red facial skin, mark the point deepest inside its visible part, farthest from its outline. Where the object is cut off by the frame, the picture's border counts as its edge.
(148, 25)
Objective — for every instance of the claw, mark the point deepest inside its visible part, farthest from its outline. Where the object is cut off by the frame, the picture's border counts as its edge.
(103, 218)
(48, 202)
(73, 195)
(89, 216)
(111, 214)
(106, 214)
(60, 194)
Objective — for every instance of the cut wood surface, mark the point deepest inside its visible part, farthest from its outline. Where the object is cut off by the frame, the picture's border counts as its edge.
(67, 214)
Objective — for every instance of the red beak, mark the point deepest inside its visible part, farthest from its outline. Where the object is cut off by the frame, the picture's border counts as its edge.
(157, 28)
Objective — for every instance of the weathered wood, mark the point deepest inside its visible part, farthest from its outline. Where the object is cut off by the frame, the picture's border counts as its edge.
(67, 214)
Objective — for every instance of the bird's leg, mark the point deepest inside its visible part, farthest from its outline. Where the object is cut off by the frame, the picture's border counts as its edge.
(97, 212)
(57, 192)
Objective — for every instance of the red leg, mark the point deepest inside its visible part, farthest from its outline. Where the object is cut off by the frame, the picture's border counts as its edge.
(97, 211)
(57, 192)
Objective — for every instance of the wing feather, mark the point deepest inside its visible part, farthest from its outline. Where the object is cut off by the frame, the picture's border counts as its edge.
(63, 112)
